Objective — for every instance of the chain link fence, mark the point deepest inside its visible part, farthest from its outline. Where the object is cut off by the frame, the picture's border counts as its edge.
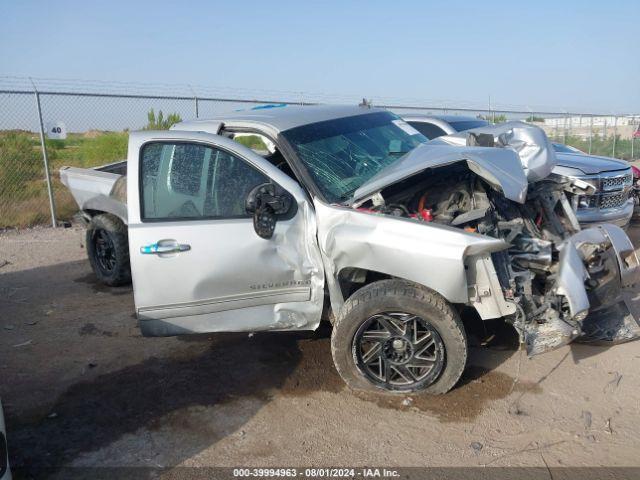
(95, 118)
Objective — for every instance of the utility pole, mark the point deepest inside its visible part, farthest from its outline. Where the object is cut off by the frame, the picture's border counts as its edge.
(615, 135)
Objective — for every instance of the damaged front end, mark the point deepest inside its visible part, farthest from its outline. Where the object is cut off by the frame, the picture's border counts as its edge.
(567, 284)
(554, 283)
(611, 269)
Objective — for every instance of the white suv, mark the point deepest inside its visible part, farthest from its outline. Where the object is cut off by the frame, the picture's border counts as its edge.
(5, 473)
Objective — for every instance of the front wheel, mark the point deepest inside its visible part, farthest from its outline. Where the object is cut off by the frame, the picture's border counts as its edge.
(399, 337)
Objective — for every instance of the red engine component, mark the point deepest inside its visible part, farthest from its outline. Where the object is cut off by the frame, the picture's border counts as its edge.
(366, 210)
(539, 220)
(426, 215)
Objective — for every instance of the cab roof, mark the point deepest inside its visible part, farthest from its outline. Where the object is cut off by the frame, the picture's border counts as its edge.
(444, 118)
(276, 118)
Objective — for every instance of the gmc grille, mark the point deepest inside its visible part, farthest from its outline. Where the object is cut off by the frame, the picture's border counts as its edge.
(613, 191)
(616, 183)
(613, 200)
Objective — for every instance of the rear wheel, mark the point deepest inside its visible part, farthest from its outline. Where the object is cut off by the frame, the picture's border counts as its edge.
(397, 336)
(108, 250)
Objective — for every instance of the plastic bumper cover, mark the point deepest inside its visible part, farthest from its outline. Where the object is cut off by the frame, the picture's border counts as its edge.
(616, 216)
(597, 273)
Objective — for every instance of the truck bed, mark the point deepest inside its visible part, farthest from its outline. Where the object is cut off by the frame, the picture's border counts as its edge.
(119, 168)
(100, 189)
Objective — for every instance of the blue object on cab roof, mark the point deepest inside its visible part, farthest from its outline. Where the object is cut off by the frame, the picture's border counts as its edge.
(271, 105)
(263, 107)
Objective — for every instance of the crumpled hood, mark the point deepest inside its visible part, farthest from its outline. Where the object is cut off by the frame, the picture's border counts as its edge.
(589, 164)
(530, 143)
(522, 154)
(500, 167)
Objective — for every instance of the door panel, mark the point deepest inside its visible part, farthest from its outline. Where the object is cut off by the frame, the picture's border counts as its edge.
(227, 266)
(197, 263)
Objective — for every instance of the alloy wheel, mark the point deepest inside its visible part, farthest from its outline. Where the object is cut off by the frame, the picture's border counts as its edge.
(399, 351)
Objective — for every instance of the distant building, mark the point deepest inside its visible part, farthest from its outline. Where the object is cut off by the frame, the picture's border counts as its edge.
(585, 121)
(586, 126)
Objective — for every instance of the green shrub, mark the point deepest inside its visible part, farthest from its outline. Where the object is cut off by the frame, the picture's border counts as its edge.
(20, 163)
(602, 146)
(251, 141)
(159, 122)
(493, 118)
(55, 144)
(102, 149)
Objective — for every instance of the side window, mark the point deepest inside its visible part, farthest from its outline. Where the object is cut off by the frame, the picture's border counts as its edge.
(191, 181)
(185, 169)
(429, 130)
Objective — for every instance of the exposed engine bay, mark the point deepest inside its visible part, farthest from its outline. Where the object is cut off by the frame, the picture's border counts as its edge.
(540, 267)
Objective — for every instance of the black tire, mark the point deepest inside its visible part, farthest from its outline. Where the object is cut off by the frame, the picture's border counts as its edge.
(410, 299)
(108, 250)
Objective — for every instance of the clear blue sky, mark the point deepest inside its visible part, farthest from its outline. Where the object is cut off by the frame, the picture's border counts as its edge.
(559, 54)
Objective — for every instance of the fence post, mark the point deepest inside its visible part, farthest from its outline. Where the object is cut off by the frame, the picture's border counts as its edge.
(564, 131)
(615, 134)
(195, 104)
(633, 136)
(590, 132)
(45, 158)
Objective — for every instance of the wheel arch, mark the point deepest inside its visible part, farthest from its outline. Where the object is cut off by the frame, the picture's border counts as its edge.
(105, 204)
(428, 255)
(88, 213)
(349, 280)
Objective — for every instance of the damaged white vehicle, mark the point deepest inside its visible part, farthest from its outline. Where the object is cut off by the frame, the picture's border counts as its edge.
(5, 471)
(347, 214)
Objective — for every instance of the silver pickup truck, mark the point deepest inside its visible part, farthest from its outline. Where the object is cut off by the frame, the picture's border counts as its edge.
(611, 202)
(348, 214)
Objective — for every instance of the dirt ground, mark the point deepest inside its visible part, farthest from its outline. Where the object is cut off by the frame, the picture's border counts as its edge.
(82, 387)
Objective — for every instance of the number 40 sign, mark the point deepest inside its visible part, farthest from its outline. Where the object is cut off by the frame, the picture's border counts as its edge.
(56, 131)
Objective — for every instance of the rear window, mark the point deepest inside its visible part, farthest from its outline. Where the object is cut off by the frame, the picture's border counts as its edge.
(463, 125)
(429, 130)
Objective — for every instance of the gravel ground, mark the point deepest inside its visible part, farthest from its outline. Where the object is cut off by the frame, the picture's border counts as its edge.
(81, 387)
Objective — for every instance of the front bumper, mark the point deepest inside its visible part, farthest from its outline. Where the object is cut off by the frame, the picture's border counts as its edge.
(598, 274)
(614, 312)
(621, 216)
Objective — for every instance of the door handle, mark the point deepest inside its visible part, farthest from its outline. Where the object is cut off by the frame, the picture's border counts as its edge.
(164, 246)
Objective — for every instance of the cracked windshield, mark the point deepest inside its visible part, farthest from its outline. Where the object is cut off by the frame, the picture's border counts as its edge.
(341, 155)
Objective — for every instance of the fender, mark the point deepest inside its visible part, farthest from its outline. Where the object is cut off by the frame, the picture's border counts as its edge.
(428, 254)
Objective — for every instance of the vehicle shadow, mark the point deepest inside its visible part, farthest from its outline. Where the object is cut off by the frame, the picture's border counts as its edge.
(153, 394)
(76, 375)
